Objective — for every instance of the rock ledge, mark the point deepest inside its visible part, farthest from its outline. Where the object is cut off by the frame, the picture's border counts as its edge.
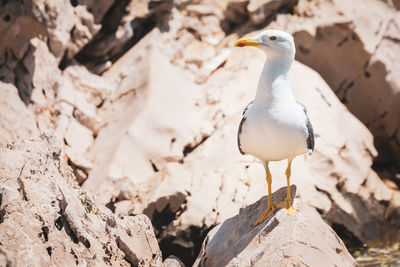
(303, 239)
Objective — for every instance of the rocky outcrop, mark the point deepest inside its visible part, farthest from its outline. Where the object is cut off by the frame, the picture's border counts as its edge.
(124, 24)
(262, 11)
(16, 120)
(218, 191)
(282, 240)
(67, 26)
(366, 51)
(191, 188)
(46, 220)
(140, 100)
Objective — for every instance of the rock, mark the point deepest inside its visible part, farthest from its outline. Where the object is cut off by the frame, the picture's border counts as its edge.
(215, 181)
(137, 252)
(156, 132)
(282, 240)
(172, 261)
(46, 220)
(201, 10)
(136, 150)
(365, 50)
(66, 27)
(212, 65)
(97, 7)
(123, 26)
(262, 10)
(236, 11)
(89, 92)
(78, 136)
(80, 164)
(396, 4)
(16, 120)
(197, 53)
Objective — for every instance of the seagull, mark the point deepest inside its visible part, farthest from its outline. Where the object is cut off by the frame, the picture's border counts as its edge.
(275, 126)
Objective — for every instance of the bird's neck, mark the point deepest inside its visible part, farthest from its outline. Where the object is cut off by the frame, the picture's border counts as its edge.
(274, 85)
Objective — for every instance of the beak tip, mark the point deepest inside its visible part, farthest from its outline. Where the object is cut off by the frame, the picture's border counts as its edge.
(246, 42)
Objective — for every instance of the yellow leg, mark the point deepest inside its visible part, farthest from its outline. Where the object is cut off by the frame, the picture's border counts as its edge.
(287, 203)
(270, 208)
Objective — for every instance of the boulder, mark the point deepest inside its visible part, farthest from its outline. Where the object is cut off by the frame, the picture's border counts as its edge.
(46, 220)
(16, 120)
(236, 11)
(340, 34)
(263, 11)
(215, 181)
(172, 261)
(124, 25)
(282, 240)
(67, 26)
(162, 118)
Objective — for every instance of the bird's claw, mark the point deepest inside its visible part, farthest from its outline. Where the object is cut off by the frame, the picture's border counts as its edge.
(291, 210)
(268, 212)
(288, 205)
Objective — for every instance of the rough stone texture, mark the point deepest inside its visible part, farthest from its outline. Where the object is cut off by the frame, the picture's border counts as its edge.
(215, 182)
(16, 121)
(144, 98)
(46, 220)
(123, 26)
(367, 52)
(236, 11)
(303, 239)
(262, 10)
(156, 132)
(67, 27)
(173, 261)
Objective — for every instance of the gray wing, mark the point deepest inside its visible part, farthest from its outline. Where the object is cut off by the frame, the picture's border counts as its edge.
(241, 125)
(310, 137)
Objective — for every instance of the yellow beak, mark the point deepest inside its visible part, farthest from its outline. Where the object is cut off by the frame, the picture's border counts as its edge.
(246, 42)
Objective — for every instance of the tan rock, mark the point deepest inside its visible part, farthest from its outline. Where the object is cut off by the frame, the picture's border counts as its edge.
(282, 240)
(212, 65)
(201, 10)
(236, 11)
(98, 8)
(197, 53)
(136, 148)
(172, 261)
(215, 181)
(78, 136)
(262, 10)
(124, 25)
(80, 164)
(366, 50)
(45, 220)
(16, 120)
(66, 27)
(137, 252)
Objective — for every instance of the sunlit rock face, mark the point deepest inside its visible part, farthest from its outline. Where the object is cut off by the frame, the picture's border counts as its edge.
(142, 101)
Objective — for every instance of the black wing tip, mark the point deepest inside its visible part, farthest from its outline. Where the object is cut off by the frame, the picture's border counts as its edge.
(241, 125)
(310, 139)
(238, 135)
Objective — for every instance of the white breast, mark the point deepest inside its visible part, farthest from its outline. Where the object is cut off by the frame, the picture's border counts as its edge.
(274, 133)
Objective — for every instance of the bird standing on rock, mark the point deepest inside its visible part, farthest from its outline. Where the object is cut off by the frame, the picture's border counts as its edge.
(275, 126)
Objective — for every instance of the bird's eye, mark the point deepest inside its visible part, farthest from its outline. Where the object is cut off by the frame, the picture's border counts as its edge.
(272, 38)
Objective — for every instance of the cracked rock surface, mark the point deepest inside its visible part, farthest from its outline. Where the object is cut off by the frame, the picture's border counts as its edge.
(46, 220)
(302, 239)
(119, 121)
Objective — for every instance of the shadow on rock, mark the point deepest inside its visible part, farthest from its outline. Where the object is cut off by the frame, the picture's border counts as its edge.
(282, 240)
(238, 231)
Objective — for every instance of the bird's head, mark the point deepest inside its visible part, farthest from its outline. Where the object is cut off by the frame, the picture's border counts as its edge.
(272, 42)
